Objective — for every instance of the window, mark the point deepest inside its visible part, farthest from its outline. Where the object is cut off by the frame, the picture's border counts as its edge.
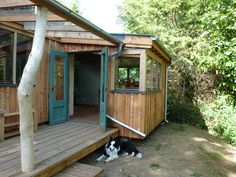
(6, 56)
(127, 73)
(14, 52)
(153, 76)
(24, 44)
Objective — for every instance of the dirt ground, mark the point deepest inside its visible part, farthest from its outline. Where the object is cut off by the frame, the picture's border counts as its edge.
(173, 150)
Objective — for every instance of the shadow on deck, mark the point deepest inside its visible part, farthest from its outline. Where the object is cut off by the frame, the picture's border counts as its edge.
(56, 147)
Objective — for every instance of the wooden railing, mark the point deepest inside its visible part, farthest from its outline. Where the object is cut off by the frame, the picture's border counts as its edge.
(4, 125)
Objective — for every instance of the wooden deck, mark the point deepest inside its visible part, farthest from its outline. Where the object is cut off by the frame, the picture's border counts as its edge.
(56, 147)
(80, 170)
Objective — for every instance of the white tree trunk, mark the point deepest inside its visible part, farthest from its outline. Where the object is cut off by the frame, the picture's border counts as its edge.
(25, 91)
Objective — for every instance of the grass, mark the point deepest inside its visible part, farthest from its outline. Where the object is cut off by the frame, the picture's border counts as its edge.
(210, 154)
(196, 174)
(157, 146)
(220, 174)
(154, 166)
(179, 127)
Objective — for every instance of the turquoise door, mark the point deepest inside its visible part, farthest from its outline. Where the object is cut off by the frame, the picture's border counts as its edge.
(103, 88)
(58, 96)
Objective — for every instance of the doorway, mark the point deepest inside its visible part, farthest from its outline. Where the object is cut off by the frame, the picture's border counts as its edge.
(86, 87)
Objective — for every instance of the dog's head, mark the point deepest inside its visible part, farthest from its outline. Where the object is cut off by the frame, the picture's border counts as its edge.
(113, 145)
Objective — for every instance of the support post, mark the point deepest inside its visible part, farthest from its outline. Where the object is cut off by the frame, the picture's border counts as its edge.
(25, 90)
(2, 122)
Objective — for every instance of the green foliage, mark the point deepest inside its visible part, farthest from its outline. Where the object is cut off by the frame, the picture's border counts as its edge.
(195, 174)
(202, 37)
(178, 127)
(157, 146)
(220, 118)
(154, 166)
(182, 111)
(211, 155)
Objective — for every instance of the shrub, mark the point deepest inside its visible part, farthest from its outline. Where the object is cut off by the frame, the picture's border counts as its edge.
(185, 112)
(220, 118)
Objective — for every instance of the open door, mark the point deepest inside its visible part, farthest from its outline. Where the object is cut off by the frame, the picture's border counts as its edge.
(103, 88)
(58, 96)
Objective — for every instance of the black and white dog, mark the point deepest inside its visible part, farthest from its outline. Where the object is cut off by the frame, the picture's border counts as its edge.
(115, 148)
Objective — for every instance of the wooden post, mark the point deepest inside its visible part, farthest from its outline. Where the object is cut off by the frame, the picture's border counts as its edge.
(142, 83)
(35, 117)
(25, 90)
(2, 122)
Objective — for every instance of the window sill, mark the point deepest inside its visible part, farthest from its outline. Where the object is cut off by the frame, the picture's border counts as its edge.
(127, 91)
(9, 85)
(134, 91)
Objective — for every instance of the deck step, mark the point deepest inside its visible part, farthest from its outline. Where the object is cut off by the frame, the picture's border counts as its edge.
(80, 170)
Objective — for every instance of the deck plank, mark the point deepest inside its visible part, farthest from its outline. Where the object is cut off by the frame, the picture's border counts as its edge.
(80, 170)
(57, 136)
(45, 150)
(59, 162)
(55, 148)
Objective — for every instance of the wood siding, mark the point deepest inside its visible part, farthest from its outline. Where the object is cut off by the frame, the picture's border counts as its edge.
(143, 111)
(129, 109)
(8, 95)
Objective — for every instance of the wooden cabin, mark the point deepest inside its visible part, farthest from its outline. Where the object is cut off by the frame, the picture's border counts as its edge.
(86, 75)
(91, 86)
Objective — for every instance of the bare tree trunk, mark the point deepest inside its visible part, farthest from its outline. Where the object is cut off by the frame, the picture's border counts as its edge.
(25, 91)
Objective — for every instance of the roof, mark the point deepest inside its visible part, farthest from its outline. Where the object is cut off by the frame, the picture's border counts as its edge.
(144, 40)
(81, 30)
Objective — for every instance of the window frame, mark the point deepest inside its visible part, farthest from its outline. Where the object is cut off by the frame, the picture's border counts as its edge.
(128, 67)
(14, 59)
(158, 75)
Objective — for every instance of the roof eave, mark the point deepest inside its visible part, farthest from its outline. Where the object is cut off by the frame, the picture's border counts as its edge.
(71, 16)
(158, 43)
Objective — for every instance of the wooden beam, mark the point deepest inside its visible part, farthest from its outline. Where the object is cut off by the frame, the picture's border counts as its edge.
(162, 53)
(71, 16)
(27, 18)
(2, 122)
(15, 3)
(83, 35)
(11, 26)
(85, 41)
(142, 83)
(55, 26)
(131, 52)
(138, 40)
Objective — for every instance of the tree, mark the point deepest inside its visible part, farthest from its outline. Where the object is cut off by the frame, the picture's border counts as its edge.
(25, 90)
(201, 34)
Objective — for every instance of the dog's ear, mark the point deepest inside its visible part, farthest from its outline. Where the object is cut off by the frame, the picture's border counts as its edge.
(118, 139)
(110, 138)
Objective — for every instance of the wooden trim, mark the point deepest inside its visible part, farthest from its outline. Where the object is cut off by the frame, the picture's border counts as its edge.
(66, 34)
(142, 81)
(159, 51)
(14, 58)
(15, 3)
(126, 91)
(2, 122)
(71, 84)
(50, 27)
(112, 73)
(28, 18)
(85, 41)
(71, 16)
(131, 52)
(19, 29)
(138, 40)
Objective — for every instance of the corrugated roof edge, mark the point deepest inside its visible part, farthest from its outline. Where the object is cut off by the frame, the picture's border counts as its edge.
(154, 38)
